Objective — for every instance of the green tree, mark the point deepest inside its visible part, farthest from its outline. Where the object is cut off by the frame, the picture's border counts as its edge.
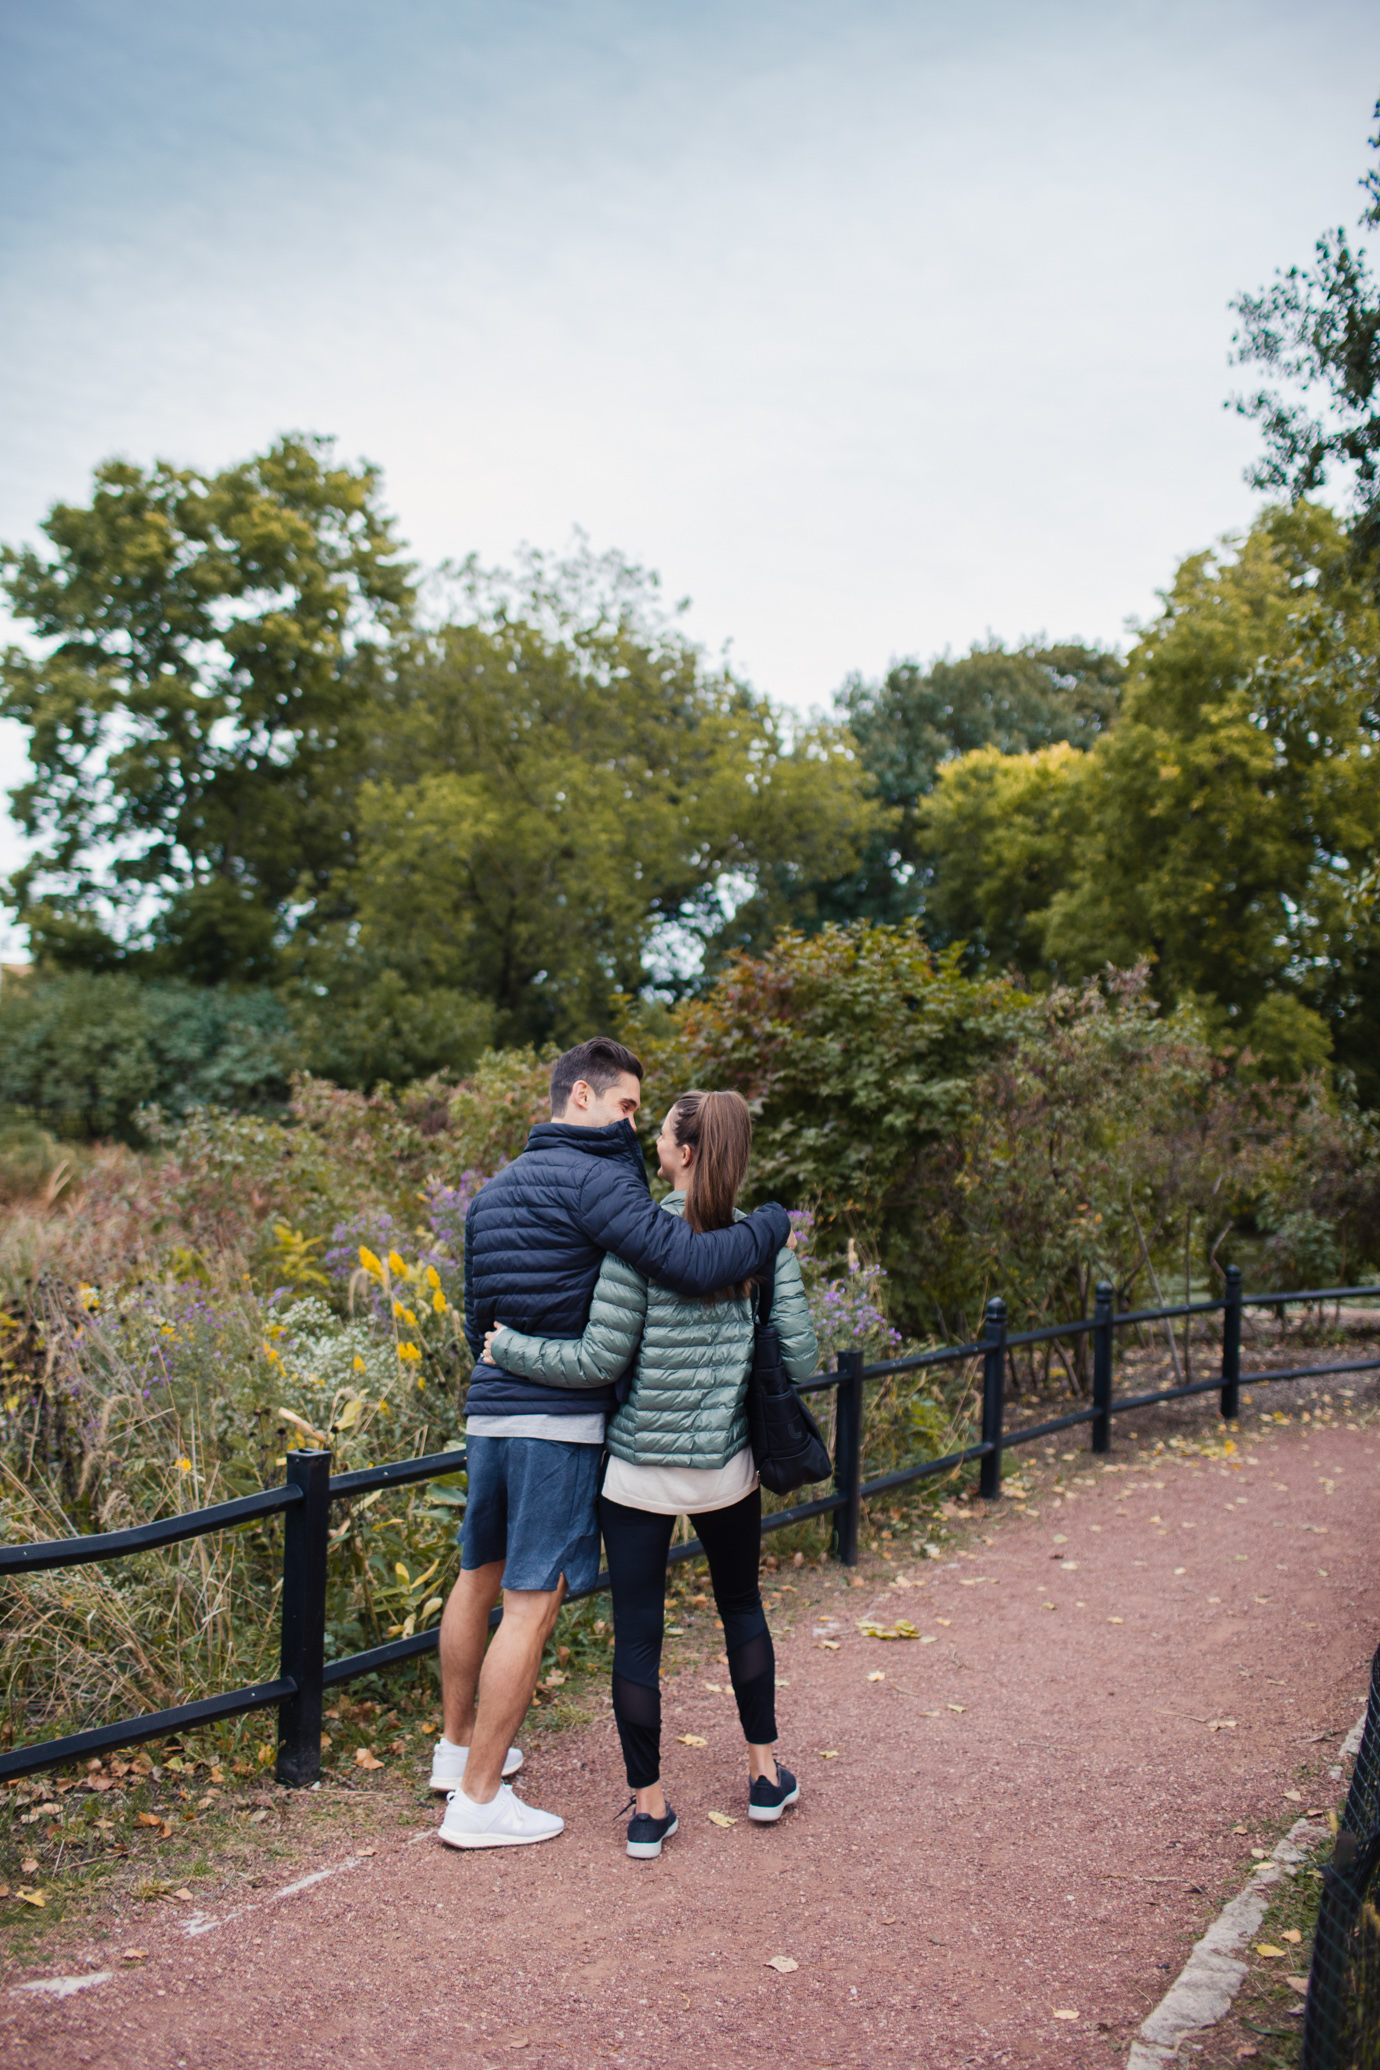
(85, 1052)
(1317, 332)
(858, 1048)
(1226, 825)
(205, 650)
(918, 719)
(998, 829)
(559, 783)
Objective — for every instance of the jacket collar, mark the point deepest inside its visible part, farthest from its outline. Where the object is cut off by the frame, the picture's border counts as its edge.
(617, 1139)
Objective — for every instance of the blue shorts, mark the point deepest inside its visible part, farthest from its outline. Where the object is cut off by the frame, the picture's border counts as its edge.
(531, 1504)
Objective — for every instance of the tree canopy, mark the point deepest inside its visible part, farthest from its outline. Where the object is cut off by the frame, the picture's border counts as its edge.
(1316, 332)
(205, 650)
(1225, 826)
(916, 720)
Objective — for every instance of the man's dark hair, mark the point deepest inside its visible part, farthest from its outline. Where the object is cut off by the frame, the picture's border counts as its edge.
(599, 1062)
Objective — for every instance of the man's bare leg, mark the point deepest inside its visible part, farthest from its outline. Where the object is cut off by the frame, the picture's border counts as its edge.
(506, 1682)
(464, 1636)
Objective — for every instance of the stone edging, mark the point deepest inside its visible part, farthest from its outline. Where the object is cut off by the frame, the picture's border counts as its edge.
(1206, 1986)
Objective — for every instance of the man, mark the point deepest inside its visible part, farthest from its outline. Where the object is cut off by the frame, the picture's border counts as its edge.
(535, 1238)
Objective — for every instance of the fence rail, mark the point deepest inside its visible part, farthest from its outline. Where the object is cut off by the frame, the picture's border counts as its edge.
(310, 1488)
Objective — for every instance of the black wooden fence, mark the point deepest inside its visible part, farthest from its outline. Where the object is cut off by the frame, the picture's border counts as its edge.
(310, 1488)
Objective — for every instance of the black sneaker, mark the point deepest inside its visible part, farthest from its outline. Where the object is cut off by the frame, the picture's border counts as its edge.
(767, 1800)
(645, 1834)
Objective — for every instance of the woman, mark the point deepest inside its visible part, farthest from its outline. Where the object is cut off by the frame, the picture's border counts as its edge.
(679, 1447)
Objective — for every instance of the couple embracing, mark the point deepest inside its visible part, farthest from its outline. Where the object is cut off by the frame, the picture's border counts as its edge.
(614, 1338)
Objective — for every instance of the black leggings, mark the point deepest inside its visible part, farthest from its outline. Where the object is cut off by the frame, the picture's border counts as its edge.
(637, 1542)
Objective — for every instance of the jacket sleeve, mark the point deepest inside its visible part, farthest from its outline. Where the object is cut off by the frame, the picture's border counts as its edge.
(619, 1214)
(790, 1312)
(605, 1351)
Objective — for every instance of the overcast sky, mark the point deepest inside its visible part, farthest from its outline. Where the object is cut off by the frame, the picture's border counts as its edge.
(876, 328)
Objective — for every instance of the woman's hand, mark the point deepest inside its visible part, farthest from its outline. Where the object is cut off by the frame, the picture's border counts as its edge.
(489, 1344)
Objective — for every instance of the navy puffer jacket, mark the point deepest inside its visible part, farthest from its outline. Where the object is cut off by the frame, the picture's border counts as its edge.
(535, 1239)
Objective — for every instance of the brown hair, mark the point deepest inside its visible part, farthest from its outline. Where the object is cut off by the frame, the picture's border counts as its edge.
(601, 1062)
(717, 1126)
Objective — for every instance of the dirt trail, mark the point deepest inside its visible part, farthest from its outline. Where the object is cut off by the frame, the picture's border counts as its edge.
(1029, 1814)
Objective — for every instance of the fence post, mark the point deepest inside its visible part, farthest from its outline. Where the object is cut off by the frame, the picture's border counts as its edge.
(1231, 1345)
(306, 1526)
(993, 1397)
(1102, 1367)
(848, 1455)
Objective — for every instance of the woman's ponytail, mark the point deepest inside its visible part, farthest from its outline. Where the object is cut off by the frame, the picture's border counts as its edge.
(718, 1127)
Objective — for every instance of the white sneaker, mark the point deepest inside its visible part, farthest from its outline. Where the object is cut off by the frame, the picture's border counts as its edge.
(506, 1822)
(448, 1764)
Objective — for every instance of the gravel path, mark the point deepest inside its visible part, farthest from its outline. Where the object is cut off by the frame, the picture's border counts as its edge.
(1126, 1686)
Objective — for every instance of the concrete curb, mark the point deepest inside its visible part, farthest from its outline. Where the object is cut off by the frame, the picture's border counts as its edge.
(1206, 1986)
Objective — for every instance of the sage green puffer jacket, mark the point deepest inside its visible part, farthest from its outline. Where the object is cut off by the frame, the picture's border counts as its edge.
(687, 1406)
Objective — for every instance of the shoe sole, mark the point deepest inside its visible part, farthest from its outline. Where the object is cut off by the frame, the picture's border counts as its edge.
(768, 1814)
(648, 1850)
(509, 1768)
(473, 1840)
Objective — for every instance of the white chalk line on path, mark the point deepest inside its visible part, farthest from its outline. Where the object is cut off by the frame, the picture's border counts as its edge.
(196, 1923)
(1205, 1989)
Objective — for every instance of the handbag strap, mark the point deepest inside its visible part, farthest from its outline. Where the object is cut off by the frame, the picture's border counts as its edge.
(763, 1295)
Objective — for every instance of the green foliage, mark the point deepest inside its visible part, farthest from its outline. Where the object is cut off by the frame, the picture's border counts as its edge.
(917, 720)
(857, 1048)
(556, 779)
(86, 1053)
(999, 828)
(207, 648)
(1224, 827)
(1318, 332)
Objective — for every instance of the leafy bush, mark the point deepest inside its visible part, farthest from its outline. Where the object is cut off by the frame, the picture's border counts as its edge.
(85, 1054)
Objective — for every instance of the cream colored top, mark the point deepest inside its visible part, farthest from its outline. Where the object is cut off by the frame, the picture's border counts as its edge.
(680, 1491)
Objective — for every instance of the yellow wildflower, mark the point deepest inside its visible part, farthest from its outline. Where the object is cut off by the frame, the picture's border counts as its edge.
(184, 1465)
(408, 1351)
(396, 1265)
(433, 1277)
(358, 1363)
(438, 1302)
(370, 1262)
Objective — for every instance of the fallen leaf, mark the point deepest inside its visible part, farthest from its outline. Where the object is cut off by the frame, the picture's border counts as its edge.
(1294, 1796)
(1292, 1933)
(1221, 1724)
(136, 1954)
(1246, 2051)
(29, 1867)
(1299, 1984)
(691, 1739)
(1116, 1620)
(1060, 1538)
(721, 1818)
(827, 1753)
(365, 1757)
(184, 1896)
(928, 1639)
(1269, 1950)
(877, 1675)
(1065, 2013)
(148, 1818)
(368, 1850)
(1070, 1567)
(715, 1688)
(945, 1621)
(782, 1962)
(32, 1897)
(957, 1707)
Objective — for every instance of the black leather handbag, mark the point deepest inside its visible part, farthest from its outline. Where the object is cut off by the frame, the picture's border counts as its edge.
(787, 1444)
